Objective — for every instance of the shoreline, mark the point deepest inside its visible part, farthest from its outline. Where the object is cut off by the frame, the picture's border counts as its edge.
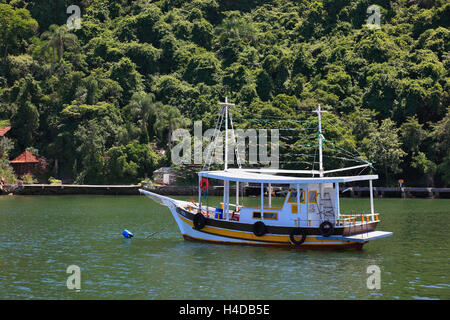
(346, 192)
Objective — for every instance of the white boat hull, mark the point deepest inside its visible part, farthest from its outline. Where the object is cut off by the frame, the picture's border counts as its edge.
(226, 232)
(228, 236)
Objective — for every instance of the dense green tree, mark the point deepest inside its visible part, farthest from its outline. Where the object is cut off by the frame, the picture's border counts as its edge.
(441, 137)
(236, 76)
(412, 135)
(203, 67)
(202, 33)
(423, 165)
(234, 26)
(302, 61)
(130, 163)
(81, 96)
(25, 124)
(168, 119)
(264, 84)
(124, 72)
(144, 55)
(16, 25)
(6, 171)
(91, 148)
(384, 147)
(144, 106)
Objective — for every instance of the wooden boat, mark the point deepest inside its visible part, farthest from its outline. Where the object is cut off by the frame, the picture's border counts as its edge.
(308, 218)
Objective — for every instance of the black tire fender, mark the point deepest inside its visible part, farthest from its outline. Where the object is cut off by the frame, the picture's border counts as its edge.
(259, 228)
(326, 228)
(297, 232)
(199, 221)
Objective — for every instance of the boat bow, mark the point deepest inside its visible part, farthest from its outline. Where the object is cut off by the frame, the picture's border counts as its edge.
(165, 201)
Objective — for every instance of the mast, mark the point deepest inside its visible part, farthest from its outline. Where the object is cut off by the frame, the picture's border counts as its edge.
(321, 171)
(226, 133)
(226, 104)
(226, 186)
(319, 112)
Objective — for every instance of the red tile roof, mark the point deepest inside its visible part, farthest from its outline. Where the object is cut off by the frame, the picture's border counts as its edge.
(4, 130)
(26, 157)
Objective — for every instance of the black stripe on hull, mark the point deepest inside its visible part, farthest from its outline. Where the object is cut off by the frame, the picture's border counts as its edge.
(249, 227)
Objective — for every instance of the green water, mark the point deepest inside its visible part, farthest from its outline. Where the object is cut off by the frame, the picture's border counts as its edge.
(42, 235)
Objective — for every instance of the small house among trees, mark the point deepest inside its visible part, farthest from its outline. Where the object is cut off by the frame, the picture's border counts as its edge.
(164, 175)
(28, 164)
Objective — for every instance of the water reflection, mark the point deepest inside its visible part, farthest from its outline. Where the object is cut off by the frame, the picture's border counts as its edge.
(41, 236)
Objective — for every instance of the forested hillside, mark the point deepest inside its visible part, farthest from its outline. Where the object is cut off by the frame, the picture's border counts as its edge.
(100, 102)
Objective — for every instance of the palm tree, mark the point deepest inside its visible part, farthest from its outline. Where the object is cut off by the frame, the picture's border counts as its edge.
(169, 119)
(59, 38)
(144, 106)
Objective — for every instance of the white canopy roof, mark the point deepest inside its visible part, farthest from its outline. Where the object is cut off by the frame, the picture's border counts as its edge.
(275, 171)
(244, 176)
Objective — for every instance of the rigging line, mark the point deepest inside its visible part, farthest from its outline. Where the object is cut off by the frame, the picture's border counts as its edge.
(362, 170)
(342, 156)
(340, 131)
(294, 129)
(301, 154)
(288, 156)
(348, 153)
(329, 122)
(284, 129)
(296, 138)
(314, 161)
(298, 145)
(295, 134)
(287, 138)
(216, 135)
(235, 140)
(342, 151)
(279, 119)
(343, 159)
(287, 162)
(276, 119)
(211, 147)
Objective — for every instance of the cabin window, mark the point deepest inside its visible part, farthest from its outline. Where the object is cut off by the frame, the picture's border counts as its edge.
(293, 197)
(267, 215)
(312, 197)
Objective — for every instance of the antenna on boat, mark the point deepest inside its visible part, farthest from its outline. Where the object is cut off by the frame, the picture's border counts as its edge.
(226, 104)
(319, 112)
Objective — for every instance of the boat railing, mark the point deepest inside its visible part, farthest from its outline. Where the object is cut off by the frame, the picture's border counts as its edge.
(353, 219)
(212, 213)
(237, 207)
(271, 207)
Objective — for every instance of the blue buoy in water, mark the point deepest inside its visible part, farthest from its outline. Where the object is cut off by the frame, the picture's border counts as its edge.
(127, 234)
